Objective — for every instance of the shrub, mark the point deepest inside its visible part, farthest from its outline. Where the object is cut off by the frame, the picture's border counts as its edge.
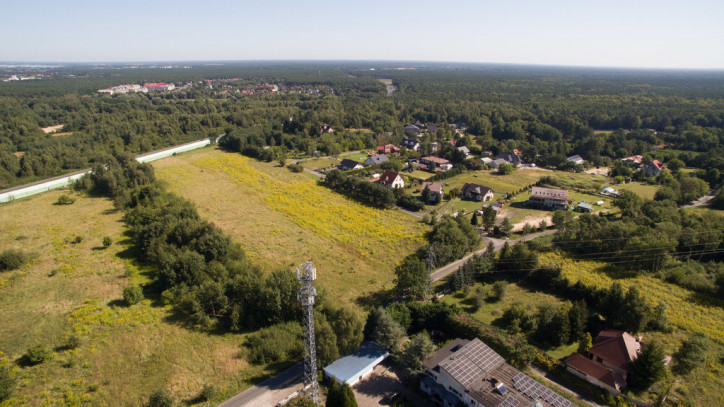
(499, 290)
(275, 343)
(78, 239)
(7, 382)
(107, 242)
(65, 200)
(207, 393)
(72, 342)
(160, 398)
(132, 294)
(12, 259)
(39, 354)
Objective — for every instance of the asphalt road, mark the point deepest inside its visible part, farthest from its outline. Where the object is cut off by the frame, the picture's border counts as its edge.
(498, 243)
(274, 383)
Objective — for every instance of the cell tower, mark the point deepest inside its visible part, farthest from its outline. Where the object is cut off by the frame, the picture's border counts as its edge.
(306, 274)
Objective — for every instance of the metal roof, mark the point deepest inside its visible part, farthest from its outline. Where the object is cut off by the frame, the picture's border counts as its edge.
(369, 354)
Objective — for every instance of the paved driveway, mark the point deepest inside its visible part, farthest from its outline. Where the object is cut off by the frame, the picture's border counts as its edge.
(370, 391)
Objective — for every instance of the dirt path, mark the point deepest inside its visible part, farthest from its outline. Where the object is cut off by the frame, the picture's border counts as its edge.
(533, 220)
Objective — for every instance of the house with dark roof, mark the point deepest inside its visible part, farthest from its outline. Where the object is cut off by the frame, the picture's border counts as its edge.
(391, 179)
(376, 159)
(471, 373)
(609, 360)
(476, 192)
(435, 193)
(431, 128)
(413, 130)
(388, 149)
(325, 128)
(346, 165)
(510, 158)
(548, 198)
(411, 144)
(653, 168)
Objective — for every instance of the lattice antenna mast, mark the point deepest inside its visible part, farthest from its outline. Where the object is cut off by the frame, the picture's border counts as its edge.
(306, 274)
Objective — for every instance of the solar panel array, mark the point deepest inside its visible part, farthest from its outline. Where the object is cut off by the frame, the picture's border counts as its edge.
(509, 401)
(535, 390)
(472, 362)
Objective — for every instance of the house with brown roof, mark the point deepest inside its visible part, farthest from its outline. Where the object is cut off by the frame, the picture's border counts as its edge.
(476, 192)
(609, 360)
(471, 373)
(435, 193)
(548, 198)
(391, 179)
(388, 149)
(433, 162)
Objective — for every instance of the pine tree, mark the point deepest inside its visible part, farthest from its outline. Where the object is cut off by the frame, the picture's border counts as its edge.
(578, 316)
(648, 368)
(474, 219)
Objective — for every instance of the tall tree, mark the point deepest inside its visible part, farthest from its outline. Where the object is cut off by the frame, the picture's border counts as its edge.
(387, 332)
(412, 278)
(418, 349)
(648, 368)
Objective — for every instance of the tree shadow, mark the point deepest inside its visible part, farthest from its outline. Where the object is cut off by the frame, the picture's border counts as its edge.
(24, 361)
(705, 300)
(117, 303)
(373, 299)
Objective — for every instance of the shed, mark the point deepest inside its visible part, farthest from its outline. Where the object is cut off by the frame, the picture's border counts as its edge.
(355, 366)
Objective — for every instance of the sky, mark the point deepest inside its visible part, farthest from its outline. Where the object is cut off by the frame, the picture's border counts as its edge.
(603, 33)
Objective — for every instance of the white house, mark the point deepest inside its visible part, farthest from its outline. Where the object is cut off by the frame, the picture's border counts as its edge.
(576, 159)
(391, 179)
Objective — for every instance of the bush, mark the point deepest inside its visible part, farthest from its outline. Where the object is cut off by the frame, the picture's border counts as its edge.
(78, 239)
(132, 294)
(160, 398)
(275, 343)
(65, 200)
(207, 393)
(72, 342)
(12, 259)
(107, 242)
(7, 382)
(500, 288)
(39, 354)
(295, 168)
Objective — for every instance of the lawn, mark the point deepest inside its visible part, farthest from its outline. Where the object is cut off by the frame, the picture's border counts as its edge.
(688, 311)
(317, 163)
(645, 190)
(423, 175)
(283, 219)
(75, 288)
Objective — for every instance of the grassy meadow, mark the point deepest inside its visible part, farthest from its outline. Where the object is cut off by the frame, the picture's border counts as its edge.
(688, 311)
(283, 219)
(76, 289)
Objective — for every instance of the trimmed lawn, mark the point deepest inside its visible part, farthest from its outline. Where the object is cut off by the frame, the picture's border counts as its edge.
(283, 219)
(423, 175)
(125, 353)
(318, 163)
(645, 190)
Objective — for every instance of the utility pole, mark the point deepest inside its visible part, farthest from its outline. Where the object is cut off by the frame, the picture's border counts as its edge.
(306, 274)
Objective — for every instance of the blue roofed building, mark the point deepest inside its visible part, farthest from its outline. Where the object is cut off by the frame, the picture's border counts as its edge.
(355, 366)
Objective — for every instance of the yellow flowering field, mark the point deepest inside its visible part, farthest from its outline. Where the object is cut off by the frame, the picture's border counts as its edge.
(686, 309)
(283, 219)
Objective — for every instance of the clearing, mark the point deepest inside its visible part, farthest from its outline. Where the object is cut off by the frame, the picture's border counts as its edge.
(52, 129)
(283, 219)
(75, 289)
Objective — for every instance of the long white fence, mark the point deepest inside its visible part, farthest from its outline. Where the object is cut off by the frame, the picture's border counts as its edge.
(65, 180)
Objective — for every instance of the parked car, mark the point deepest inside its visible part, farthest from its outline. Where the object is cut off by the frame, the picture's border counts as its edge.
(390, 398)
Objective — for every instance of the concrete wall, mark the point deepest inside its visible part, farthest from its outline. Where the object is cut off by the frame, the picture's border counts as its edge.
(42, 186)
(59, 182)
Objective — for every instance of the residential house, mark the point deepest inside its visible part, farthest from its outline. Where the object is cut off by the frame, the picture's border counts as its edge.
(433, 162)
(388, 149)
(435, 192)
(476, 192)
(325, 128)
(460, 125)
(431, 128)
(159, 86)
(465, 150)
(634, 159)
(486, 153)
(510, 158)
(434, 147)
(411, 144)
(470, 373)
(391, 179)
(347, 165)
(517, 152)
(576, 159)
(584, 207)
(609, 191)
(498, 162)
(413, 130)
(661, 146)
(609, 360)
(376, 159)
(548, 198)
(653, 168)
(486, 160)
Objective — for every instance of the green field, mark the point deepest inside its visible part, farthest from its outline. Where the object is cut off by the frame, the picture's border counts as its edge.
(283, 219)
(75, 289)
(645, 190)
